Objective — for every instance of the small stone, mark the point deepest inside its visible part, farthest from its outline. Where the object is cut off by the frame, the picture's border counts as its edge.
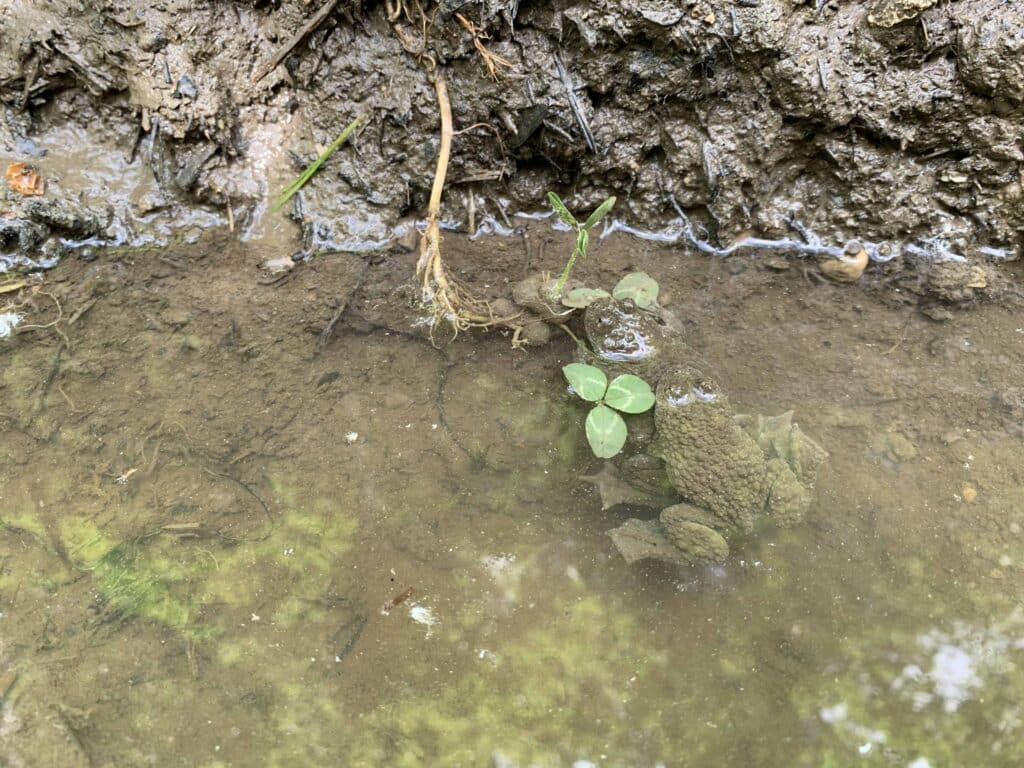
(969, 494)
(536, 334)
(278, 264)
(937, 313)
(504, 308)
(186, 89)
(847, 268)
(777, 263)
(1015, 528)
(899, 448)
(152, 41)
(1005, 561)
(889, 13)
(192, 343)
(351, 437)
(177, 318)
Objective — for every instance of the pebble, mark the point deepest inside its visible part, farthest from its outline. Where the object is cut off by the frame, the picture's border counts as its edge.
(969, 494)
(849, 267)
(937, 313)
(186, 89)
(192, 343)
(899, 448)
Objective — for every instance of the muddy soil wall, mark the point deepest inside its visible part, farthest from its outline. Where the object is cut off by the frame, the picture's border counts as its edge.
(894, 121)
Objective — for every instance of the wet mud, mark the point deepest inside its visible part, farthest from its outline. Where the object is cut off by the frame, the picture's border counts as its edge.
(895, 122)
(256, 510)
(227, 542)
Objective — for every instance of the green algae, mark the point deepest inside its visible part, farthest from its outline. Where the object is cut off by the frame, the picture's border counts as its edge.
(530, 705)
(149, 578)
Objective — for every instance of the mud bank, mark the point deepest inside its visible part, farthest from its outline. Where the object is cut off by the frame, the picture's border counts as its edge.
(893, 121)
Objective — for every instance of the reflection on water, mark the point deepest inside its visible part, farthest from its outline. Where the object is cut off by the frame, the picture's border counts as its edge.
(219, 549)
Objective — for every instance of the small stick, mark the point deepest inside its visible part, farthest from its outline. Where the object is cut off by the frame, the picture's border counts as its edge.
(298, 37)
(574, 104)
(396, 601)
(7, 680)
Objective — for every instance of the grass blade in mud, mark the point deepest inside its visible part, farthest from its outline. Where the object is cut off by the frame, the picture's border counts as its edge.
(291, 190)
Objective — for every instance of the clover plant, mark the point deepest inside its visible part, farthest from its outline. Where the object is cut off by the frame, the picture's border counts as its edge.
(605, 427)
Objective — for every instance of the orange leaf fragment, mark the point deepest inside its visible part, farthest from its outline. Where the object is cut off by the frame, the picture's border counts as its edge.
(24, 180)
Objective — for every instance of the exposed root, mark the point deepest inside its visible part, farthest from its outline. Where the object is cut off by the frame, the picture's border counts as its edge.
(451, 303)
(494, 63)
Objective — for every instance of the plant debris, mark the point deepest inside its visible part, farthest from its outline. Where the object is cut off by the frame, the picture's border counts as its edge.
(24, 179)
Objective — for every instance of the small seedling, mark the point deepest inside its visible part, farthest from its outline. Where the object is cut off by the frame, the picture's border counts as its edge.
(582, 232)
(606, 429)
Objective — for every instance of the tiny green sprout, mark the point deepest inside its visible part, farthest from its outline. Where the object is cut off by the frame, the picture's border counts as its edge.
(605, 427)
(582, 232)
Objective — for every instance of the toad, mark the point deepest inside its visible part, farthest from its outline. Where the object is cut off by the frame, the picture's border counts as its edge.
(730, 470)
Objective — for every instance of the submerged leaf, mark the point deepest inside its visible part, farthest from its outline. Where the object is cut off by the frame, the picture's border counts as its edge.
(638, 286)
(587, 381)
(606, 431)
(561, 211)
(600, 213)
(578, 298)
(629, 394)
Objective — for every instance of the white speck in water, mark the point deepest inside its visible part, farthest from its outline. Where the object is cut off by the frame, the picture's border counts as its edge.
(8, 322)
(834, 714)
(351, 437)
(573, 574)
(921, 762)
(865, 748)
(421, 614)
(953, 676)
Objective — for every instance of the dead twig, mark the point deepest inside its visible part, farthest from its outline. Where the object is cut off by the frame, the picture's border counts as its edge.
(574, 104)
(494, 62)
(310, 26)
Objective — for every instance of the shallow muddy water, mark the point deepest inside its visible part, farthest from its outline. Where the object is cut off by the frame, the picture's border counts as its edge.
(223, 543)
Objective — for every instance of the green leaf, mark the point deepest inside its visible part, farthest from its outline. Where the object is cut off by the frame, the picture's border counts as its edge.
(638, 286)
(629, 394)
(606, 431)
(293, 188)
(600, 213)
(582, 241)
(561, 211)
(578, 298)
(587, 381)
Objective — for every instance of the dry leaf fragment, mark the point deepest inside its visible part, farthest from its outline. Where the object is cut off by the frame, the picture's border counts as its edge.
(23, 179)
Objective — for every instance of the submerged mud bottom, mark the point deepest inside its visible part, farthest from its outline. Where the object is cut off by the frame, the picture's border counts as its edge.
(224, 544)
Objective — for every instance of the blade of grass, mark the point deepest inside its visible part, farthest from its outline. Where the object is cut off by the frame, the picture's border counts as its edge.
(306, 175)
